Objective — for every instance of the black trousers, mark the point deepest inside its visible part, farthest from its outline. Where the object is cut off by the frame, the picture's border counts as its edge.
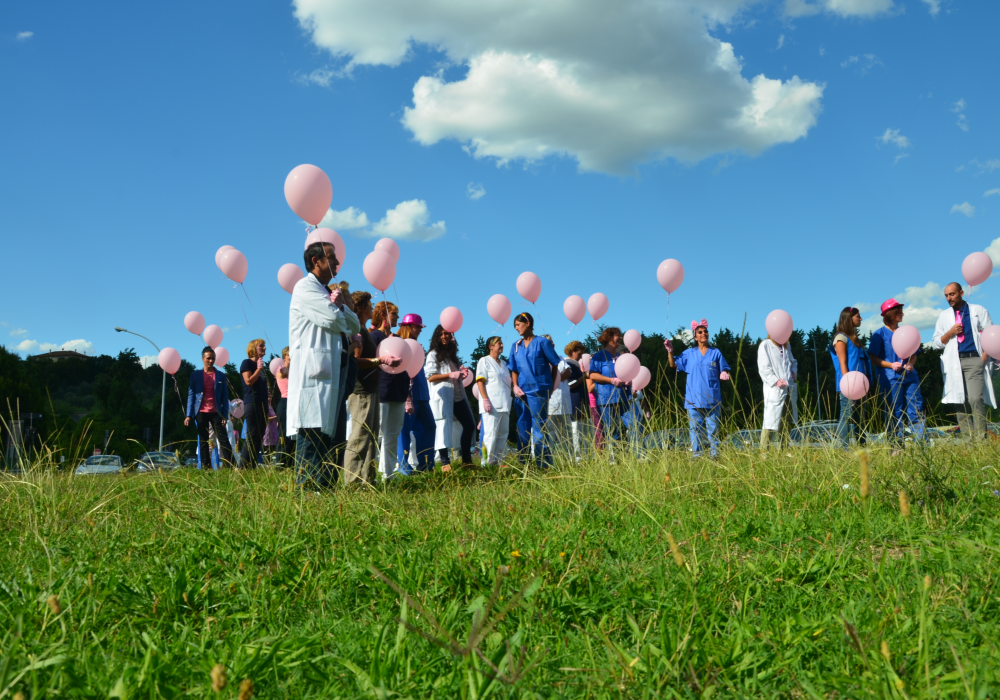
(203, 420)
(255, 415)
(463, 414)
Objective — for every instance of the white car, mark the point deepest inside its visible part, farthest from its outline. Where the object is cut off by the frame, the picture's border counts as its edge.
(101, 464)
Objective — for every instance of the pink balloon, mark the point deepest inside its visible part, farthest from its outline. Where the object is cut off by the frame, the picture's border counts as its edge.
(416, 358)
(575, 308)
(627, 367)
(977, 268)
(387, 245)
(288, 275)
(498, 307)
(854, 385)
(469, 378)
(585, 361)
(194, 322)
(451, 319)
(218, 255)
(779, 326)
(308, 192)
(642, 379)
(275, 366)
(633, 339)
(169, 360)
(906, 341)
(234, 265)
(529, 286)
(990, 339)
(379, 270)
(236, 409)
(328, 235)
(670, 275)
(475, 392)
(597, 305)
(212, 336)
(397, 347)
(221, 356)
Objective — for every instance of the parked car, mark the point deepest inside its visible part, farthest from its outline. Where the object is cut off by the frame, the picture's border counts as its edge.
(156, 461)
(743, 439)
(100, 464)
(816, 434)
(191, 462)
(677, 439)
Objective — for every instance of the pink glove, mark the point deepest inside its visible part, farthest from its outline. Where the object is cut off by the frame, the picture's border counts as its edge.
(337, 297)
(615, 381)
(409, 405)
(518, 391)
(908, 367)
(668, 345)
(724, 376)
(896, 366)
(781, 384)
(392, 360)
(487, 406)
(455, 375)
(260, 364)
(465, 371)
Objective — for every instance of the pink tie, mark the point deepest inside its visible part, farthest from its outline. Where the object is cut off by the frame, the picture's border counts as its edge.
(958, 319)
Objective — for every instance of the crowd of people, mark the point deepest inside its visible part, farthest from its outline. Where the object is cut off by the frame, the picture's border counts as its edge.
(350, 419)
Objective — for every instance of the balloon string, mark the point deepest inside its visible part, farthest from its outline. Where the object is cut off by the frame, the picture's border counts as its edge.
(256, 315)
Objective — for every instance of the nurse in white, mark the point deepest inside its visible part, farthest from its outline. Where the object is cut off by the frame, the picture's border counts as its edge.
(444, 375)
(777, 368)
(493, 379)
(560, 407)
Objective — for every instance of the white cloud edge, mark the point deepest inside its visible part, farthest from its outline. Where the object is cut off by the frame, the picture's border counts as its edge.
(407, 221)
(78, 345)
(963, 208)
(24, 36)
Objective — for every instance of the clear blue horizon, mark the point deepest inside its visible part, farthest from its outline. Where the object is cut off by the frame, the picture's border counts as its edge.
(139, 140)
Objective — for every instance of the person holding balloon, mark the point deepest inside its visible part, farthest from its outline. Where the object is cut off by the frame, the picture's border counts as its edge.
(611, 391)
(208, 406)
(494, 382)
(255, 397)
(578, 398)
(448, 402)
(705, 367)
(394, 388)
(533, 362)
(419, 418)
(850, 355)
(896, 377)
(777, 368)
(363, 402)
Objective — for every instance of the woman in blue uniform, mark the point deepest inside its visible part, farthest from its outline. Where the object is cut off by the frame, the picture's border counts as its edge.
(705, 367)
(533, 362)
(849, 355)
(897, 379)
(612, 393)
(419, 418)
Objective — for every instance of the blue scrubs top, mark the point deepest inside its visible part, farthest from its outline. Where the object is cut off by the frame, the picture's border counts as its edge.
(703, 388)
(420, 391)
(968, 343)
(857, 358)
(603, 363)
(881, 347)
(534, 375)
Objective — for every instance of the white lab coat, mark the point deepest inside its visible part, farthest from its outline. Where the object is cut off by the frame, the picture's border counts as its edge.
(497, 378)
(559, 403)
(442, 399)
(774, 363)
(314, 344)
(951, 363)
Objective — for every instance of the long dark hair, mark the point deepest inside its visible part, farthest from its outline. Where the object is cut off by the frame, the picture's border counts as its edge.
(444, 353)
(846, 326)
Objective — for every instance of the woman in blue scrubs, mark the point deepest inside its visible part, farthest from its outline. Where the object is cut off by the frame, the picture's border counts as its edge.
(533, 362)
(612, 392)
(705, 367)
(419, 418)
(849, 354)
(897, 379)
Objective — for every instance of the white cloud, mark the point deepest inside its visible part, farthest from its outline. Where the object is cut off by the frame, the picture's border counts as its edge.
(920, 308)
(900, 157)
(987, 193)
(963, 208)
(320, 76)
(608, 87)
(476, 191)
(933, 6)
(958, 108)
(408, 222)
(18, 332)
(893, 136)
(80, 345)
(865, 62)
(993, 250)
(24, 36)
(148, 361)
(982, 168)
(844, 8)
(822, 51)
(781, 42)
(226, 329)
(346, 220)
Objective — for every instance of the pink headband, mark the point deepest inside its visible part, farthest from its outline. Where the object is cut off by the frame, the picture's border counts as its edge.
(696, 324)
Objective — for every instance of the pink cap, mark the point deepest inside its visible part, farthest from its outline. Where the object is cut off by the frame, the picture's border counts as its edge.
(890, 304)
(412, 320)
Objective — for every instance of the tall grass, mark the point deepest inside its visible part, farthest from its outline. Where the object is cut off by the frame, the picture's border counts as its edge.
(662, 577)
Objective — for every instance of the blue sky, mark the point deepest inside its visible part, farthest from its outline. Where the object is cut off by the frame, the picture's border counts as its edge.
(137, 139)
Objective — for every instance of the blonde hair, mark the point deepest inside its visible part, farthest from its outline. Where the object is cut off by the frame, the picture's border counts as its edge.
(492, 340)
(406, 331)
(573, 346)
(252, 347)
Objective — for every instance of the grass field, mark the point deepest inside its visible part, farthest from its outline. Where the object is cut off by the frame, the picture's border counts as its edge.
(665, 578)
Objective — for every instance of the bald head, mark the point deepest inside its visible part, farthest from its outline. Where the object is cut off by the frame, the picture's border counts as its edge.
(954, 293)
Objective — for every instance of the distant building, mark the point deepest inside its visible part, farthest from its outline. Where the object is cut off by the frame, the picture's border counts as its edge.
(57, 355)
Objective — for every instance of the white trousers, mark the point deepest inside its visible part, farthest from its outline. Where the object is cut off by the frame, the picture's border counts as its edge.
(391, 427)
(496, 428)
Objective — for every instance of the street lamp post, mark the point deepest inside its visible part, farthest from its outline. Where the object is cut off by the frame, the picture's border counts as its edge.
(163, 393)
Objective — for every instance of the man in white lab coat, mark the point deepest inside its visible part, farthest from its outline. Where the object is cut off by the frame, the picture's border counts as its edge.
(317, 322)
(968, 383)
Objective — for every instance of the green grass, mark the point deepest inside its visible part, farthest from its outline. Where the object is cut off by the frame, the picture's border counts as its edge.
(503, 584)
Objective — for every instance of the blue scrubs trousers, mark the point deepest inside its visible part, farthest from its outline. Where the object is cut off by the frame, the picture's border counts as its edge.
(906, 398)
(611, 417)
(703, 423)
(421, 424)
(531, 424)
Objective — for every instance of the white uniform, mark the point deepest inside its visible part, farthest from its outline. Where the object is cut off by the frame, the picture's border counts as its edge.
(951, 364)
(560, 410)
(314, 344)
(775, 362)
(443, 395)
(496, 423)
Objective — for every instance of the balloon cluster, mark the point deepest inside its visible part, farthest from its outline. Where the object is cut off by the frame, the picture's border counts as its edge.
(170, 360)
(380, 265)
